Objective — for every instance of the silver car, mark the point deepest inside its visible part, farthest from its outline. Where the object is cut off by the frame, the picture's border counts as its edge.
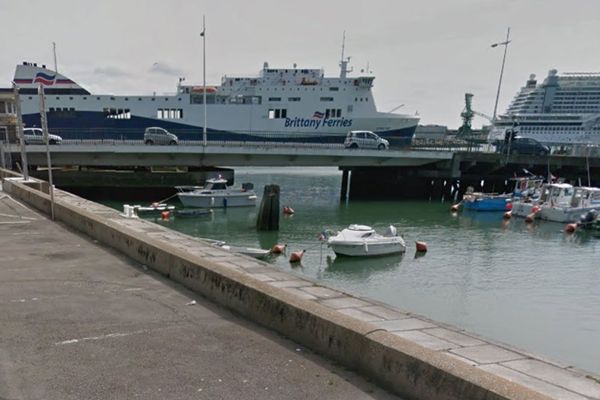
(365, 140)
(156, 135)
(36, 136)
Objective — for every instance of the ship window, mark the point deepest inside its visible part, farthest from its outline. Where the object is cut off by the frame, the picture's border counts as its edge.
(326, 98)
(126, 98)
(85, 98)
(139, 99)
(159, 113)
(277, 113)
(271, 114)
(339, 112)
(274, 98)
(97, 98)
(334, 89)
(293, 98)
(70, 98)
(284, 113)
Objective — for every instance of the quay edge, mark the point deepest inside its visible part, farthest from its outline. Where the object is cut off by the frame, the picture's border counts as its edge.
(404, 366)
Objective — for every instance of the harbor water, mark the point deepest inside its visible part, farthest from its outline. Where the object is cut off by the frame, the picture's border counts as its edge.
(529, 285)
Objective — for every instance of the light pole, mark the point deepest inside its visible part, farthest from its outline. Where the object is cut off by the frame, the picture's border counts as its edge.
(203, 34)
(505, 44)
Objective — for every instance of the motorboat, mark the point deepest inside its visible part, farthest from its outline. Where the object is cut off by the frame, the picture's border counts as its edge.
(566, 204)
(151, 210)
(247, 251)
(478, 201)
(526, 195)
(363, 241)
(216, 194)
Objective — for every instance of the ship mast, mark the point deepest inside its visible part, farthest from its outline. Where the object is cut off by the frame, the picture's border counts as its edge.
(344, 61)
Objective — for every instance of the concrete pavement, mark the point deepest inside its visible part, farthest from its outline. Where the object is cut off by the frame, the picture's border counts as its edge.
(80, 321)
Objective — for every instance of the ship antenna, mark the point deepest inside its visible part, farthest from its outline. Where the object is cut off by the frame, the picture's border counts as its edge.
(54, 51)
(344, 61)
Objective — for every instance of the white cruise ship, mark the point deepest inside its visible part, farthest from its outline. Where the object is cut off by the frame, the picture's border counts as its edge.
(288, 104)
(564, 109)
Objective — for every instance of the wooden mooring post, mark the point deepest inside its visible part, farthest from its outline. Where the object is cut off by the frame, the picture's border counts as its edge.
(268, 214)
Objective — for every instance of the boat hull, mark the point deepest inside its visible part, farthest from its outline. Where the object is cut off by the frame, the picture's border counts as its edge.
(563, 214)
(356, 249)
(520, 209)
(500, 203)
(217, 200)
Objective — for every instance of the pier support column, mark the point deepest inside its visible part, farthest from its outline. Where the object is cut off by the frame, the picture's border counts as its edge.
(345, 192)
(268, 214)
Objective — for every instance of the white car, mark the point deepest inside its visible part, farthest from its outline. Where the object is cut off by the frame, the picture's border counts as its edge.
(365, 140)
(36, 136)
(157, 135)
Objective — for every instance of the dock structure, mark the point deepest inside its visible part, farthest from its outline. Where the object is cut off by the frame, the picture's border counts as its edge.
(416, 172)
(125, 320)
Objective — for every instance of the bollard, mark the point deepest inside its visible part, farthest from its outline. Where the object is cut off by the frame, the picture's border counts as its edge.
(268, 214)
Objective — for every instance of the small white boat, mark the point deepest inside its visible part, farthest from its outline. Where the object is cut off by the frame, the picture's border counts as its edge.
(152, 209)
(363, 241)
(247, 251)
(216, 194)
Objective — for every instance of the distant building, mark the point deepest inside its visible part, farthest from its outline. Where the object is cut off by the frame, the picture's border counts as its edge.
(8, 116)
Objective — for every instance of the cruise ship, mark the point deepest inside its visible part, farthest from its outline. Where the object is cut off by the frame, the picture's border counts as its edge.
(563, 109)
(287, 104)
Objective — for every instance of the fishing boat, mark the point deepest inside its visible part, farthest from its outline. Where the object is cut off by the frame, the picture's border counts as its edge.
(478, 201)
(566, 204)
(216, 194)
(363, 241)
(526, 195)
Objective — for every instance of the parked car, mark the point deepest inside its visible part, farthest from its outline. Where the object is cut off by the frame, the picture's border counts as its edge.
(36, 136)
(156, 135)
(521, 145)
(365, 140)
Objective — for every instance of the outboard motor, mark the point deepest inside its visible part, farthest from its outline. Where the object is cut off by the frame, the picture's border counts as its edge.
(391, 231)
(247, 186)
(588, 217)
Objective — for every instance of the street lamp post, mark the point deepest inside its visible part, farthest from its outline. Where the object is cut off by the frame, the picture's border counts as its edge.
(505, 44)
(203, 34)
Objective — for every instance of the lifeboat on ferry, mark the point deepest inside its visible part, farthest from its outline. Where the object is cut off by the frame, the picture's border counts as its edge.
(202, 89)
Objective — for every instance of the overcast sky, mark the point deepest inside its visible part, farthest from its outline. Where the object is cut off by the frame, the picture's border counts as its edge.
(424, 53)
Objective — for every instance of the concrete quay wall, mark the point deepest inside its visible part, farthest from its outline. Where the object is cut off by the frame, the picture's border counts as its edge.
(408, 354)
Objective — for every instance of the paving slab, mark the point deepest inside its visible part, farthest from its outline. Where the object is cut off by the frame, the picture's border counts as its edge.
(403, 324)
(487, 354)
(425, 340)
(556, 375)
(454, 337)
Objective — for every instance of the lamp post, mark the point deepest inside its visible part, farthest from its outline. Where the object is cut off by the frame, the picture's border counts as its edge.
(505, 44)
(203, 34)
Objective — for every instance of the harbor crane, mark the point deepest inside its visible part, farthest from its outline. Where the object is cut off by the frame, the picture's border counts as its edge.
(465, 131)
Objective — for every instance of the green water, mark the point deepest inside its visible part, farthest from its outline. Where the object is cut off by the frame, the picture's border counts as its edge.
(531, 286)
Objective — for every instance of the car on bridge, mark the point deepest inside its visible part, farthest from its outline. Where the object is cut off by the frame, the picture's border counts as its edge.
(157, 135)
(36, 136)
(522, 145)
(365, 140)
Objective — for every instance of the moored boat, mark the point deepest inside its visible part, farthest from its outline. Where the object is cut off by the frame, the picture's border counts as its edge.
(216, 194)
(478, 201)
(566, 204)
(363, 241)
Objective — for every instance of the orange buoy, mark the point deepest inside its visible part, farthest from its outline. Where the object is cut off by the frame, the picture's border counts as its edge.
(454, 207)
(288, 210)
(296, 256)
(507, 215)
(571, 228)
(508, 206)
(421, 246)
(529, 218)
(535, 209)
(165, 215)
(278, 248)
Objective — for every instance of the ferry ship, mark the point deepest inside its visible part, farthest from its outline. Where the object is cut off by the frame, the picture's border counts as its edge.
(285, 104)
(563, 109)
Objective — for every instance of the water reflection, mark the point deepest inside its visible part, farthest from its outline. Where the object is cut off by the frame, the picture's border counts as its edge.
(360, 268)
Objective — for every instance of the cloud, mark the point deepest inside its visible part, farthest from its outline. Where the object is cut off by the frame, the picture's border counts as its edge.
(165, 69)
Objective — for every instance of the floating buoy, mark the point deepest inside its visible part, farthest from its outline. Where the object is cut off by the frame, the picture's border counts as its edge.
(421, 246)
(535, 209)
(288, 210)
(296, 256)
(278, 248)
(570, 228)
(529, 218)
(507, 215)
(455, 207)
(165, 215)
(508, 206)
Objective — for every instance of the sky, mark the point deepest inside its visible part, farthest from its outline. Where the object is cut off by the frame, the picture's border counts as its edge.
(425, 54)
